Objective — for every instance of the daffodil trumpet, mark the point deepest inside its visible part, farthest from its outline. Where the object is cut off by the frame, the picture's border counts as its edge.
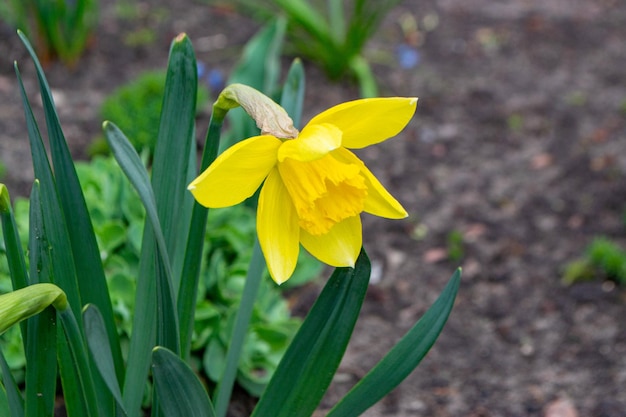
(314, 188)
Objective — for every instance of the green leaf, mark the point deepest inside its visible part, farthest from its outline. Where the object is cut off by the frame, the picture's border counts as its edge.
(41, 329)
(14, 252)
(180, 392)
(132, 166)
(402, 359)
(259, 65)
(14, 401)
(60, 267)
(88, 266)
(175, 148)
(87, 399)
(306, 370)
(293, 92)
(144, 321)
(97, 340)
(188, 290)
(168, 209)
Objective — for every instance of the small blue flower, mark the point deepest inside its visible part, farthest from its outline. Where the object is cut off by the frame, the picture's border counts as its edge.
(215, 79)
(408, 57)
(201, 69)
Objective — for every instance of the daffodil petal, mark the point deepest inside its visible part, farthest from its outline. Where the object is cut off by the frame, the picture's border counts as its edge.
(379, 201)
(314, 142)
(237, 173)
(340, 246)
(368, 121)
(277, 228)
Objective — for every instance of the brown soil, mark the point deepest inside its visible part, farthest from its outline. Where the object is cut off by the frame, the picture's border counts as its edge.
(519, 144)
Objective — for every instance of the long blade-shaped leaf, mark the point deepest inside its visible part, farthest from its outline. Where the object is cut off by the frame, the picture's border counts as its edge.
(193, 254)
(89, 271)
(80, 364)
(402, 359)
(292, 98)
(259, 65)
(312, 359)
(180, 392)
(145, 320)
(175, 143)
(171, 210)
(61, 269)
(97, 340)
(132, 166)
(14, 252)
(130, 162)
(41, 336)
(14, 400)
(62, 263)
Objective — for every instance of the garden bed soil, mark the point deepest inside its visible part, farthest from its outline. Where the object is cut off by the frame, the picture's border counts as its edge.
(518, 145)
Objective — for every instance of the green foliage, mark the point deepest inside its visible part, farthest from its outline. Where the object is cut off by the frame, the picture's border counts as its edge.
(60, 28)
(603, 257)
(84, 349)
(118, 217)
(332, 34)
(455, 245)
(136, 109)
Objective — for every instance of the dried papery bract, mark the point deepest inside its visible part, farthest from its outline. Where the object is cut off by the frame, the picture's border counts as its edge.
(271, 118)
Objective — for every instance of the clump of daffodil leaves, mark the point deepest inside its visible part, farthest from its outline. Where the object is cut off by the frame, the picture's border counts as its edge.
(314, 187)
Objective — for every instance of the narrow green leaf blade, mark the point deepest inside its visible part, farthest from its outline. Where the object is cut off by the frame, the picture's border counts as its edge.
(402, 359)
(91, 280)
(175, 143)
(188, 290)
(77, 352)
(62, 263)
(180, 392)
(40, 380)
(292, 98)
(259, 65)
(145, 319)
(60, 267)
(129, 161)
(306, 370)
(97, 340)
(4, 402)
(14, 400)
(15, 254)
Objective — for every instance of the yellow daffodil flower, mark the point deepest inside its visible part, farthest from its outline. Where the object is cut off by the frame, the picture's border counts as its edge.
(315, 188)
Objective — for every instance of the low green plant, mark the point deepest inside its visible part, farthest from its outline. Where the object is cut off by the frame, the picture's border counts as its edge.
(136, 108)
(332, 34)
(455, 245)
(603, 257)
(65, 281)
(60, 28)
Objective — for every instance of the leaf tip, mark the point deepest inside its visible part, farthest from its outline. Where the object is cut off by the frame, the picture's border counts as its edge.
(5, 199)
